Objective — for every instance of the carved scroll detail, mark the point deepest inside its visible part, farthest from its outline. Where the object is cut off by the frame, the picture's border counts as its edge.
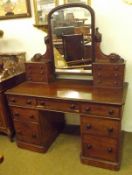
(100, 56)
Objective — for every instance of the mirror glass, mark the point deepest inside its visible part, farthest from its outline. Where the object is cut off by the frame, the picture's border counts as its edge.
(71, 30)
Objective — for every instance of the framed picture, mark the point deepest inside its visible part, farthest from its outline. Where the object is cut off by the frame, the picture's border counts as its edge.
(10, 9)
(41, 10)
(88, 2)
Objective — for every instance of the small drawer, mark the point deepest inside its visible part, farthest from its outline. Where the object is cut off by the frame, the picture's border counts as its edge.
(23, 114)
(100, 127)
(100, 148)
(58, 105)
(101, 110)
(21, 100)
(38, 77)
(27, 132)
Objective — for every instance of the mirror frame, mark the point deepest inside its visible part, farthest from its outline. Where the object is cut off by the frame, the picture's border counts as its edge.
(37, 22)
(91, 11)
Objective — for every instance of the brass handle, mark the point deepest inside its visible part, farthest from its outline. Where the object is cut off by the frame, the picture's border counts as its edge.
(89, 146)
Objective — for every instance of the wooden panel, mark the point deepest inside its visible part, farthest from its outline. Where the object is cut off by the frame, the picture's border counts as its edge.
(28, 132)
(21, 100)
(108, 75)
(23, 114)
(101, 110)
(100, 147)
(100, 127)
(66, 106)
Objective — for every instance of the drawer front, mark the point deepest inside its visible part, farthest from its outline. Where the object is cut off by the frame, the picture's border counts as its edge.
(35, 68)
(100, 148)
(39, 77)
(58, 105)
(21, 100)
(23, 114)
(101, 110)
(27, 132)
(100, 127)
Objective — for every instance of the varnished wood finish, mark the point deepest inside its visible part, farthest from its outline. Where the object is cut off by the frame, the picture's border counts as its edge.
(6, 125)
(106, 74)
(39, 72)
(37, 111)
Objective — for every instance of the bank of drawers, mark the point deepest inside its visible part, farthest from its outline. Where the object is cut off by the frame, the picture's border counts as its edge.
(100, 137)
(26, 122)
(100, 110)
(100, 123)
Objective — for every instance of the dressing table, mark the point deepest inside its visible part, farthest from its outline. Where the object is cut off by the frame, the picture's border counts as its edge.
(38, 104)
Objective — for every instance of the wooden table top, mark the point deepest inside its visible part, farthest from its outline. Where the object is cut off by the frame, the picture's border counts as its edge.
(71, 90)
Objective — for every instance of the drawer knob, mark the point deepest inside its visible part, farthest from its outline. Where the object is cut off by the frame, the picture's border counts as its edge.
(88, 126)
(110, 130)
(88, 109)
(13, 100)
(29, 102)
(89, 146)
(73, 106)
(31, 116)
(109, 150)
(17, 114)
(42, 103)
(34, 136)
(111, 112)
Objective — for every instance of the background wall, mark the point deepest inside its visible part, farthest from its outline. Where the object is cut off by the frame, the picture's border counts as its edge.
(113, 17)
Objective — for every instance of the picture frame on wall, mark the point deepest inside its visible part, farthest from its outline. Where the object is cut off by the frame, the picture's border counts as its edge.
(10, 9)
(88, 2)
(41, 10)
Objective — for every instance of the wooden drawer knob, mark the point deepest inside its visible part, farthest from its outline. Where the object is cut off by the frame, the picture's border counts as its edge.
(89, 146)
(31, 116)
(73, 106)
(13, 100)
(88, 109)
(109, 150)
(16, 114)
(34, 136)
(110, 130)
(42, 103)
(88, 126)
(29, 102)
(111, 112)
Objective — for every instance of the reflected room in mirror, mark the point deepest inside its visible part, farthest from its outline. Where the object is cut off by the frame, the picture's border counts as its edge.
(72, 38)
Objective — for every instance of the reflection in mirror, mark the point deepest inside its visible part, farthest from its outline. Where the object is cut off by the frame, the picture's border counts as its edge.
(72, 39)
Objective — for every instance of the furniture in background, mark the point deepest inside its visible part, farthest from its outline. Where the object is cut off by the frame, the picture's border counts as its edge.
(38, 104)
(12, 72)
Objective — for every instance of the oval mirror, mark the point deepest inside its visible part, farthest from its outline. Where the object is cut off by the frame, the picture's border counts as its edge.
(71, 32)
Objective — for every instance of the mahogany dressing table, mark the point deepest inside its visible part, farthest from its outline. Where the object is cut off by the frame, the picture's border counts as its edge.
(38, 104)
